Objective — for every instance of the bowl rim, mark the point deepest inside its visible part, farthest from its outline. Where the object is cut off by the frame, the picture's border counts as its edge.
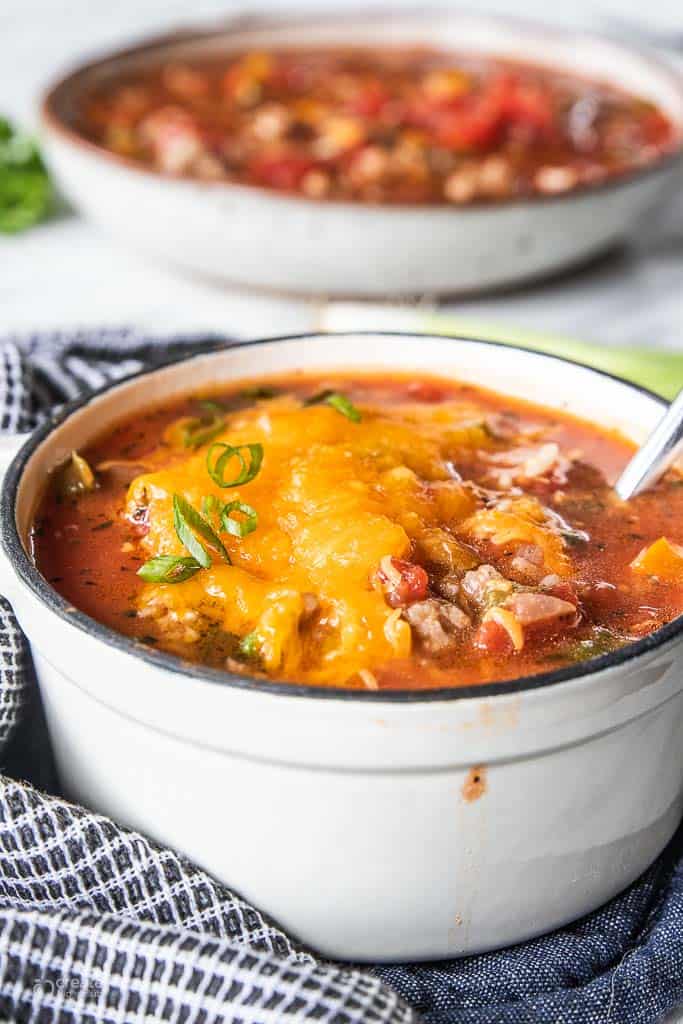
(29, 574)
(51, 119)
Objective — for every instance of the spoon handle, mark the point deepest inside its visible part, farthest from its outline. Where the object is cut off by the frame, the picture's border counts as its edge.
(661, 449)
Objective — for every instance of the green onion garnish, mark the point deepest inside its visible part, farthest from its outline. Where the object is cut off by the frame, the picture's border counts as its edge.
(211, 507)
(345, 406)
(338, 401)
(239, 527)
(247, 469)
(168, 569)
(188, 522)
(249, 646)
(203, 429)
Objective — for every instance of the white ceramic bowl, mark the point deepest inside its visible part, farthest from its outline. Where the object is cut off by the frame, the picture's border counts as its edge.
(253, 236)
(349, 816)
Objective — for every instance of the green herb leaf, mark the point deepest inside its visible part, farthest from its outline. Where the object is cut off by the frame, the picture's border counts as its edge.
(338, 401)
(188, 522)
(246, 470)
(25, 189)
(239, 527)
(168, 569)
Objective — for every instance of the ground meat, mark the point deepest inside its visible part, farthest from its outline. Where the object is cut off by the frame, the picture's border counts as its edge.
(447, 587)
(436, 624)
(540, 610)
(485, 587)
(528, 563)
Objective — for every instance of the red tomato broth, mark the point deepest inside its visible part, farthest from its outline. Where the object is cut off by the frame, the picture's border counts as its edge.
(402, 125)
(77, 543)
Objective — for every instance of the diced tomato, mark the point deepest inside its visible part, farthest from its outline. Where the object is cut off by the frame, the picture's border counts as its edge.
(475, 121)
(291, 75)
(657, 128)
(232, 81)
(528, 105)
(491, 638)
(283, 172)
(370, 101)
(411, 587)
(476, 126)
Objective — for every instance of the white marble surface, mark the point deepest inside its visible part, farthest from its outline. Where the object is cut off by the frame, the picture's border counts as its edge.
(66, 273)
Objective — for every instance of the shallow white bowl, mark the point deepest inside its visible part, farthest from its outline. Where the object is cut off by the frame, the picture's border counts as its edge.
(348, 816)
(253, 236)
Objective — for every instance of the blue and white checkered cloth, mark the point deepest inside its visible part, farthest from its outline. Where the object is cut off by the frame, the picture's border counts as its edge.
(99, 925)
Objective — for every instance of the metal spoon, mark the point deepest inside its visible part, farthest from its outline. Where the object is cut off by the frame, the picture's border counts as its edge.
(662, 447)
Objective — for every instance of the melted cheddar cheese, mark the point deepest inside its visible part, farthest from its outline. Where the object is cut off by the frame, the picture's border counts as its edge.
(333, 498)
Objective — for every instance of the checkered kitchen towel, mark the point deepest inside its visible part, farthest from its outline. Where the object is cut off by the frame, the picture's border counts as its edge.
(98, 924)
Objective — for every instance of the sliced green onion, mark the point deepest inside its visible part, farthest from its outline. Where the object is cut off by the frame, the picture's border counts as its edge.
(247, 469)
(239, 527)
(199, 432)
(188, 522)
(211, 507)
(337, 401)
(345, 406)
(203, 429)
(250, 646)
(168, 569)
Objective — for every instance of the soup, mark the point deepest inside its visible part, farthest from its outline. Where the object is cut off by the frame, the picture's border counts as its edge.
(382, 125)
(368, 532)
